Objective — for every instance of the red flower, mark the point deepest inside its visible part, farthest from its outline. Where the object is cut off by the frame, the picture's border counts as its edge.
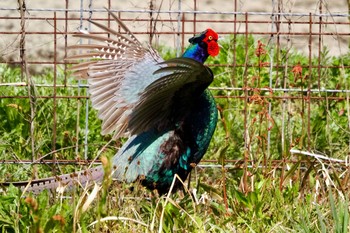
(297, 70)
(260, 50)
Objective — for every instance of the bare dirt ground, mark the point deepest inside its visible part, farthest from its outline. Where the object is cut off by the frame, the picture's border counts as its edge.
(41, 47)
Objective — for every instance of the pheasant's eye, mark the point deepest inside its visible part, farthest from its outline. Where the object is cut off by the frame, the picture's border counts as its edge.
(210, 37)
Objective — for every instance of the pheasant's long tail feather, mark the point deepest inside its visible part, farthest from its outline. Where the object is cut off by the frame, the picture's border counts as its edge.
(66, 181)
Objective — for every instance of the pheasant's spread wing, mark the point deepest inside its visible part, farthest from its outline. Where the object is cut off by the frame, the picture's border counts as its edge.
(132, 88)
(169, 98)
(118, 68)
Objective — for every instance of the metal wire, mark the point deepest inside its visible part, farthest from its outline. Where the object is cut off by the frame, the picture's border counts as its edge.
(284, 14)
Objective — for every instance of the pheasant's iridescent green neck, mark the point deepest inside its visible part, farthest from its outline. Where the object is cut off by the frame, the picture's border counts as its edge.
(197, 53)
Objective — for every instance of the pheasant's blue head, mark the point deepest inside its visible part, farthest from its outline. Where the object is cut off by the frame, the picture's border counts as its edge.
(203, 45)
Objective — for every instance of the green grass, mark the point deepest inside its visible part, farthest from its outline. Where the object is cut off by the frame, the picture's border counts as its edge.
(305, 196)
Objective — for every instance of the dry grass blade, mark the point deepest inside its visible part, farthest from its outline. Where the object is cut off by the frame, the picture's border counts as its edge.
(114, 218)
(91, 197)
(168, 199)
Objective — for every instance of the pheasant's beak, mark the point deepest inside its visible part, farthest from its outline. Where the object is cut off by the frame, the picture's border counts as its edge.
(220, 38)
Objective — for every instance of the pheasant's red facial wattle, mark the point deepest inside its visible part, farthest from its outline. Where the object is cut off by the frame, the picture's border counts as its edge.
(211, 39)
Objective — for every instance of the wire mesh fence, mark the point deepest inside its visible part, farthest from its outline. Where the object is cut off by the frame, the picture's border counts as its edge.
(282, 79)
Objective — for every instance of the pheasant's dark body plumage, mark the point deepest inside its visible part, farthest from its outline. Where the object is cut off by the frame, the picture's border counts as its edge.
(155, 156)
(164, 106)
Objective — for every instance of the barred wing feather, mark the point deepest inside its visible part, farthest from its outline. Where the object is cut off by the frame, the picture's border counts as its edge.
(118, 69)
